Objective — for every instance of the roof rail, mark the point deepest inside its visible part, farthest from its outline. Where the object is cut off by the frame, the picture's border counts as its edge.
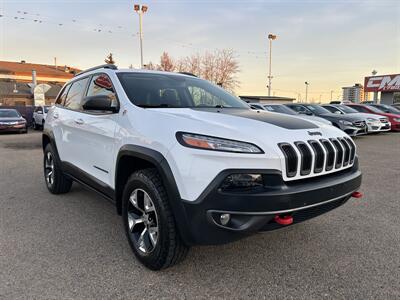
(106, 66)
(187, 73)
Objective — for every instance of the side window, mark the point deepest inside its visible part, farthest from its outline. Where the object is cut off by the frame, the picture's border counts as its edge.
(61, 99)
(101, 85)
(298, 108)
(330, 108)
(75, 94)
(359, 108)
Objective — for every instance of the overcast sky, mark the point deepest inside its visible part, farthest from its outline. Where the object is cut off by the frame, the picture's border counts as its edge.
(327, 43)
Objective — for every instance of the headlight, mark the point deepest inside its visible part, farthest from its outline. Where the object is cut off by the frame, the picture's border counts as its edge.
(21, 122)
(396, 119)
(205, 142)
(347, 123)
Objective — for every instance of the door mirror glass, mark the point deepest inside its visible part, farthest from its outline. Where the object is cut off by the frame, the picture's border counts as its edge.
(99, 103)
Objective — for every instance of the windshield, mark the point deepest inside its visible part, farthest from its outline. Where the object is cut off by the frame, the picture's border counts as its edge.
(347, 110)
(162, 90)
(316, 109)
(280, 109)
(9, 113)
(387, 109)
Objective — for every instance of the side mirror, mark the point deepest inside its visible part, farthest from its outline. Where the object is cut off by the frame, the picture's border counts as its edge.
(338, 112)
(98, 103)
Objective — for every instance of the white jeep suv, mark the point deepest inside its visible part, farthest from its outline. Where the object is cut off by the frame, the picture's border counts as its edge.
(39, 116)
(187, 163)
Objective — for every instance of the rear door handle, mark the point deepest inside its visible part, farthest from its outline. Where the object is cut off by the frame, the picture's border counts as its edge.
(79, 121)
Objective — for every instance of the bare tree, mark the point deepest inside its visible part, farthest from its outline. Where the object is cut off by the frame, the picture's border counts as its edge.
(150, 66)
(109, 59)
(226, 69)
(220, 67)
(166, 63)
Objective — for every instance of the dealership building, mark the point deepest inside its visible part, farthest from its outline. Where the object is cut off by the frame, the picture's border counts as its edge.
(387, 85)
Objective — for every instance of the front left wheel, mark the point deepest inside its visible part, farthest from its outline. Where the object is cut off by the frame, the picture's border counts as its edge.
(149, 222)
(56, 181)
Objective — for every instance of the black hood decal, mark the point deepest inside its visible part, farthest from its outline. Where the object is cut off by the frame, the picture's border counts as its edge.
(276, 119)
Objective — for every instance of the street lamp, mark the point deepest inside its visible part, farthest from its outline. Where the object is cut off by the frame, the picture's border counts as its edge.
(307, 84)
(140, 10)
(271, 37)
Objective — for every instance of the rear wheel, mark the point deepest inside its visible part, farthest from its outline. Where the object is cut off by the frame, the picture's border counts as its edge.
(34, 125)
(56, 181)
(149, 223)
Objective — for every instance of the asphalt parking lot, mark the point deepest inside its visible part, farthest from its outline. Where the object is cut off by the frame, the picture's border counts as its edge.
(73, 246)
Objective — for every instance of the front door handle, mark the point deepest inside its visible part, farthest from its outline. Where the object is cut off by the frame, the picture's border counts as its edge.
(79, 121)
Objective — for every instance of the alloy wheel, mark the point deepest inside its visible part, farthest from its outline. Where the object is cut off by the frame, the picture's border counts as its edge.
(142, 221)
(49, 169)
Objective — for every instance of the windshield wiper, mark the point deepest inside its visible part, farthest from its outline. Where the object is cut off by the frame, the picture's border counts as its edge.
(154, 106)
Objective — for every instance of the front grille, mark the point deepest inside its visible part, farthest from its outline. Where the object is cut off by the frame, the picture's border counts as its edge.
(317, 156)
(360, 124)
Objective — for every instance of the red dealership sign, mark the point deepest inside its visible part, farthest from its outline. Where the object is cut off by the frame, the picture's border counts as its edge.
(383, 83)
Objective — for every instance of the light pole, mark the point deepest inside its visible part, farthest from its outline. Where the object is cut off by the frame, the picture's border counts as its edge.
(306, 83)
(271, 37)
(331, 95)
(140, 11)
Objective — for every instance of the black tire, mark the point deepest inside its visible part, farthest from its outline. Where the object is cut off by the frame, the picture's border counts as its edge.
(59, 184)
(169, 248)
(34, 126)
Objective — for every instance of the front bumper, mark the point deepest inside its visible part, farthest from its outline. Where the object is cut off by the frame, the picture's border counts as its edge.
(12, 128)
(251, 212)
(354, 130)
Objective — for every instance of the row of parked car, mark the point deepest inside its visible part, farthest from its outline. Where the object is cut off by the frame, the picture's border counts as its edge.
(354, 119)
(11, 120)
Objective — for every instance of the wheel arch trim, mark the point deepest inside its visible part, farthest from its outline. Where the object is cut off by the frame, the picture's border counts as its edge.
(160, 162)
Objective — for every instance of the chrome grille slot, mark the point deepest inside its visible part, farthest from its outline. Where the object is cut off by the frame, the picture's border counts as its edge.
(291, 159)
(339, 153)
(319, 156)
(352, 149)
(330, 158)
(306, 158)
(346, 154)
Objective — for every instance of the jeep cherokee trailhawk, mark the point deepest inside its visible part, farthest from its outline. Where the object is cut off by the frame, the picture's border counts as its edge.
(187, 163)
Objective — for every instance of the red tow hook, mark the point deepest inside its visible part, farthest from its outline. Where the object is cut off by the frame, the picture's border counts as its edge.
(284, 220)
(357, 195)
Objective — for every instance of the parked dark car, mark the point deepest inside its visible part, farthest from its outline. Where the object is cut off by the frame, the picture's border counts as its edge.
(352, 125)
(12, 121)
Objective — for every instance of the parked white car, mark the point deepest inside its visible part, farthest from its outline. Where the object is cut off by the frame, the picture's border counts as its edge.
(187, 163)
(375, 123)
(39, 116)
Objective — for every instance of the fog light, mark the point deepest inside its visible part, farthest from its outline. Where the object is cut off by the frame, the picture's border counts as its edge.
(224, 219)
(242, 181)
